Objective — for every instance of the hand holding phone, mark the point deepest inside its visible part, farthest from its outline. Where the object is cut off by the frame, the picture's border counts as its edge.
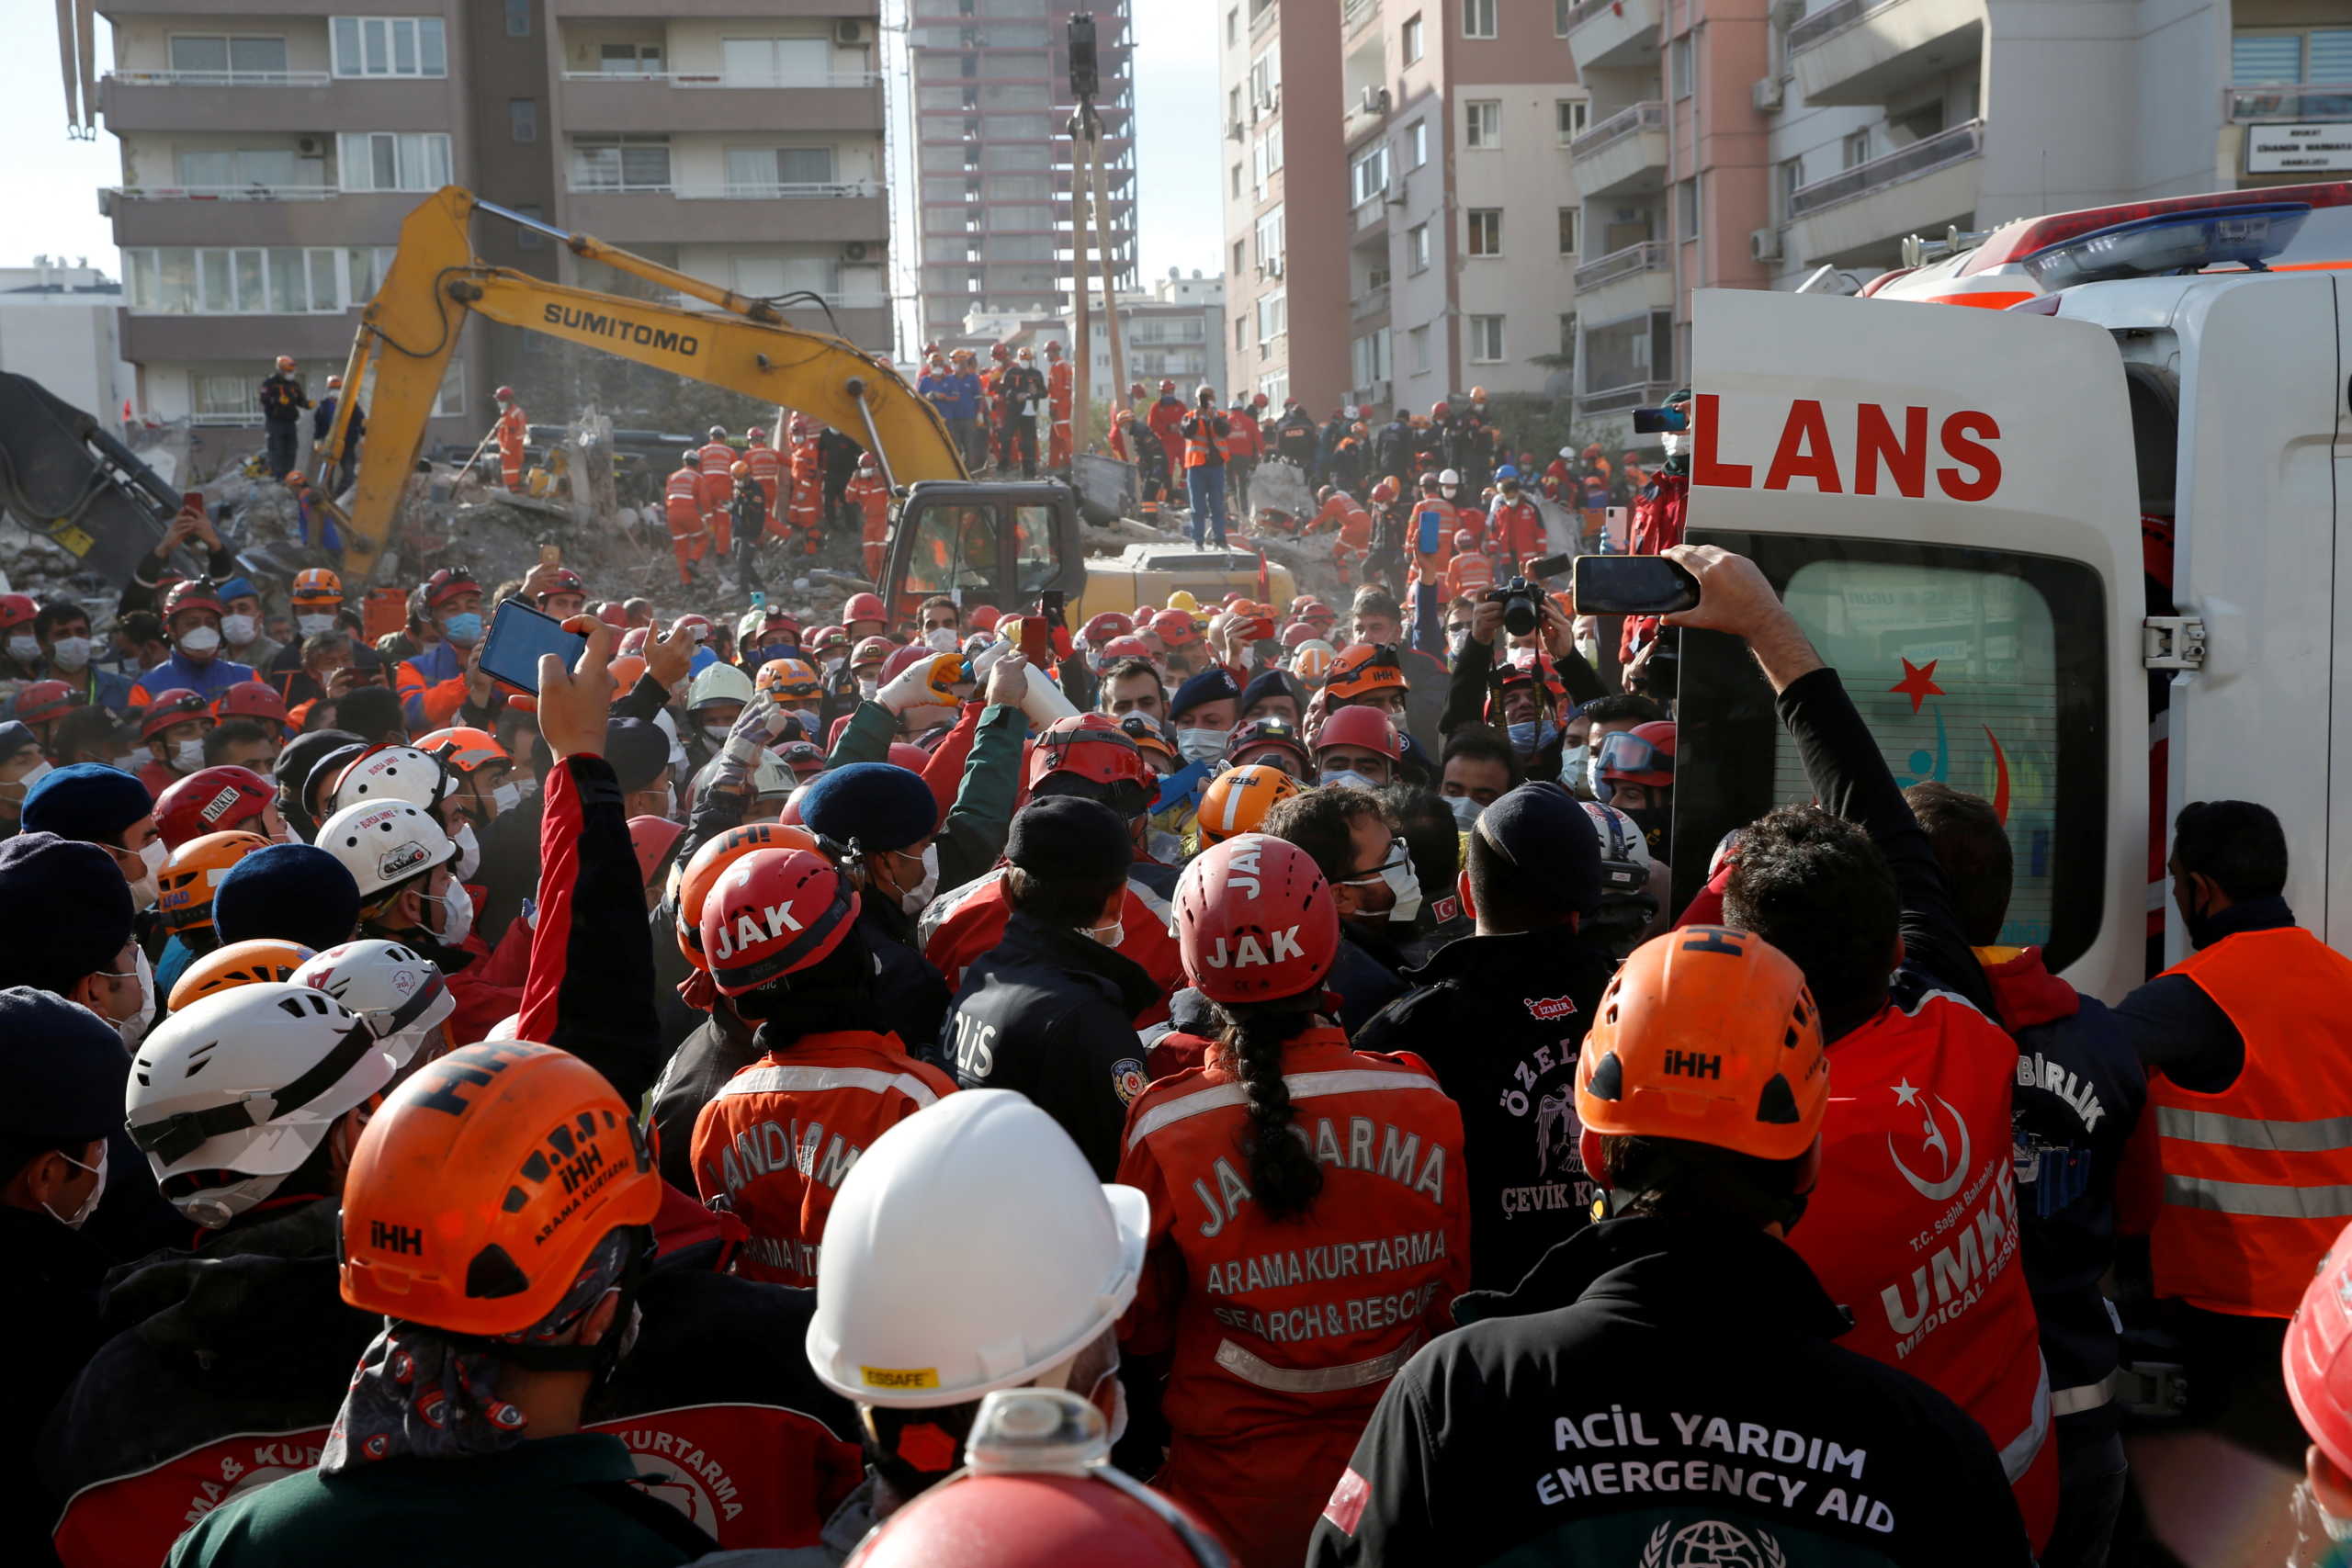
(1631, 585)
(518, 636)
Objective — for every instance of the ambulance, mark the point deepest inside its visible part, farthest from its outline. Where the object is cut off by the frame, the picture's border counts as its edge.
(2088, 554)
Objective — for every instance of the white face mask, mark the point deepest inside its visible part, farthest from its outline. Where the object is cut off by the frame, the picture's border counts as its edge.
(507, 797)
(1574, 760)
(71, 653)
(199, 639)
(1591, 773)
(312, 626)
(1405, 886)
(468, 851)
(1677, 442)
(1110, 935)
(1348, 778)
(717, 734)
(456, 915)
(23, 646)
(913, 900)
(188, 755)
(239, 629)
(867, 687)
(134, 1029)
(833, 664)
(81, 1216)
(153, 854)
(33, 776)
(942, 639)
(1200, 745)
(1465, 811)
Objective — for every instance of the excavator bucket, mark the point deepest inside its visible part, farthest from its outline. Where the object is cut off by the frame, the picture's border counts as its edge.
(62, 475)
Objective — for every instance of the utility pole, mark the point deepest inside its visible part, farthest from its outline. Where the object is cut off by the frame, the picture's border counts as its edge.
(1082, 351)
(1085, 80)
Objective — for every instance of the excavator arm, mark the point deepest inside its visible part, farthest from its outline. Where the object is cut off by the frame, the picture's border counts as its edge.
(410, 330)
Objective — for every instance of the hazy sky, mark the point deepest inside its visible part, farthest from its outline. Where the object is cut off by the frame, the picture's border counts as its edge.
(49, 183)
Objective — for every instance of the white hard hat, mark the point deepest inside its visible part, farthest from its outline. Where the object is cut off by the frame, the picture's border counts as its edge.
(718, 682)
(391, 773)
(248, 1082)
(971, 1248)
(1620, 839)
(1567, 451)
(1449, 477)
(395, 990)
(1348, 412)
(385, 844)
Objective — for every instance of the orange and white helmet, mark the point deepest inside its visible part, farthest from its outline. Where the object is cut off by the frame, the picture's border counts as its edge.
(1238, 799)
(1311, 660)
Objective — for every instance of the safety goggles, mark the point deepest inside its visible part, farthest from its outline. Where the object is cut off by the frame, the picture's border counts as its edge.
(1624, 753)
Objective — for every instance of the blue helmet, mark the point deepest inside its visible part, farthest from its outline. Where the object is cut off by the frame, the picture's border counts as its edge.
(1507, 471)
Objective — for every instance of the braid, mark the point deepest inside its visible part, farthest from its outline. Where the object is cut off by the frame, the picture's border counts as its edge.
(1284, 1175)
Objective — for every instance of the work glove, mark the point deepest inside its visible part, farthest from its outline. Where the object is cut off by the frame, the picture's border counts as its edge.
(939, 681)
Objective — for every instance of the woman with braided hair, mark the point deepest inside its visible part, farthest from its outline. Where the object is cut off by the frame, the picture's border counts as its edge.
(1309, 1223)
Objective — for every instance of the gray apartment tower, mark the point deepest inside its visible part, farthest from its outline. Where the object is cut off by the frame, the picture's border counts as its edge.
(994, 158)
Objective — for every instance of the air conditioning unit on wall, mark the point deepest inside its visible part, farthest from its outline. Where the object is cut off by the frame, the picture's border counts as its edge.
(1764, 244)
(1768, 94)
(848, 30)
(1375, 100)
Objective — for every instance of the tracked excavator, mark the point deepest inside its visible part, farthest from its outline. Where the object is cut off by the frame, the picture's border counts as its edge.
(1000, 543)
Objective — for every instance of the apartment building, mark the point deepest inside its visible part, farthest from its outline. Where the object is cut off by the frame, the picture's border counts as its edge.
(1172, 330)
(59, 324)
(268, 157)
(994, 159)
(1418, 149)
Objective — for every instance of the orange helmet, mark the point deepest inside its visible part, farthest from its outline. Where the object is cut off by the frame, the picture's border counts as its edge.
(317, 585)
(1477, 394)
(703, 871)
(740, 468)
(788, 681)
(425, 1236)
(627, 671)
(184, 889)
(462, 747)
(1363, 669)
(1238, 799)
(259, 961)
(1711, 1036)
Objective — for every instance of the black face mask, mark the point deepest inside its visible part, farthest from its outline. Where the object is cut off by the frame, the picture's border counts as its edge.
(1656, 823)
(2199, 926)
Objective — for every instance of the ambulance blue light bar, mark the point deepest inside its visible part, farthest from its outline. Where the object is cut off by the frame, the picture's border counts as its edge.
(2246, 236)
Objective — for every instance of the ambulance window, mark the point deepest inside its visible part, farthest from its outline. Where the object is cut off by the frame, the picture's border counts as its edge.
(1986, 671)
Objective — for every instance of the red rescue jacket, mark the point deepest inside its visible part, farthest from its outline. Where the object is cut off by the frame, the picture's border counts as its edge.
(964, 922)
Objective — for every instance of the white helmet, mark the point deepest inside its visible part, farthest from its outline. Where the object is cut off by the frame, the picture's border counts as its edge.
(385, 844)
(1622, 846)
(395, 990)
(1567, 451)
(718, 682)
(391, 773)
(1449, 477)
(969, 1249)
(1349, 412)
(248, 1082)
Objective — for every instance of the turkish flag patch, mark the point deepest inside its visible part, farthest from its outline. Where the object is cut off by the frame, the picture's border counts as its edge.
(1347, 1499)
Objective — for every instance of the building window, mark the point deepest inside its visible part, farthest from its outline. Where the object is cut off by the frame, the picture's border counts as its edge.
(1417, 144)
(774, 61)
(620, 163)
(1479, 18)
(1858, 147)
(1233, 27)
(518, 18)
(178, 280)
(1482, 123)
(1486, 230)
(1679, 60)
(1240, 334)
(385, 160)
(1266, 81)
(1686, 210)
(261, 168)
(1571, 115)
(1410, 36)
(2322, 55)
(1420, 340)
(1240, 252)
(523, 118)
(630, 59)
(1273, 316)
(1237, 180)
(753, 172)
(389, 45)
(1561, 10)
(1270, 242)
(1368, 177)
(1791, 176)
(1568, 340)
(1486, 340)
(1416, 248)
(1571, 231)
(1233, 105)
(228, 60)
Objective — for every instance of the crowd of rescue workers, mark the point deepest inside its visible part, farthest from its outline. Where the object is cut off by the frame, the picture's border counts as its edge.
(1228, 1082)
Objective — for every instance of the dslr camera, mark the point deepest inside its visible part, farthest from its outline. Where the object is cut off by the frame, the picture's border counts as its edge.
(1522, 604)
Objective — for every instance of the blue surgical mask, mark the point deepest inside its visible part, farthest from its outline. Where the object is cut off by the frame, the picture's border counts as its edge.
(464, 627)
(1532, 736)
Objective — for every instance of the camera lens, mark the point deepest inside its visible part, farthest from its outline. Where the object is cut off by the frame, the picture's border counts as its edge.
(1519, 613)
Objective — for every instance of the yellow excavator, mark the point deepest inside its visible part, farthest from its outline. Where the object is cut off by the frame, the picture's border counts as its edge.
(1000, 543)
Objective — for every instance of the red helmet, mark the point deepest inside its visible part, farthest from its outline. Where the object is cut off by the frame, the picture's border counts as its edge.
(1440, 409)
(756, 435)
(702, 872)
(210, 800)
(999, 351)
(1261, 400)
(825, 639)
(194, 594)
(1270, 730)
(1296, 632)
(1176, 627)
(1106, 626)
(1091, 745)
(871, 651)
(1255, 921)
(2319, 1372)
(863, 607)
(563, 580)
(1120, 647)
(1314, 611)
(1166, 385)
(1642, 755)
(632, 643)
(44, 700)
(611, 612)
(169, 708)
(16, 609)
(913, 653)
(251, 699)
(774, 912)
(1359, 726)
(805, 757)
(1385, 489)
(446, 584)
(505, 394)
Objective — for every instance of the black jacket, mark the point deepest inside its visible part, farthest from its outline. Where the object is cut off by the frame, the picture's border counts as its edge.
(50, 1313)
(704, 1060)
(1366, 980)
(909, 994)
(1499, 1019)
(1667, 1392)
(1051, 1012)
(1393, 449)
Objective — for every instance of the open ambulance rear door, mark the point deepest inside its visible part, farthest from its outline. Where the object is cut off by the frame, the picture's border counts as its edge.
(1947, 501)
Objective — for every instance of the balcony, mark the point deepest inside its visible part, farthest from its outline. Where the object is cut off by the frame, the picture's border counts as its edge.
(1356, 15)
(255, 215)
(724, 10)
(1622, 399)
(2271, 103)
(1613, 34)
(852, 210)
(594, 101)
(324, 338)
(1623, 155)
(1371, 302)
(1860, 52)
(1913, 190)
(301, 102)
(1634, 281)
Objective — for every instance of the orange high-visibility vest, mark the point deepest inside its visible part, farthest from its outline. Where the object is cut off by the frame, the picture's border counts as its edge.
(681, 499)
(2258, 1179)
(1203, 446)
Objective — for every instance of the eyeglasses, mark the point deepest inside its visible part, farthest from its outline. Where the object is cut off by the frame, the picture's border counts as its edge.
(1398, 859)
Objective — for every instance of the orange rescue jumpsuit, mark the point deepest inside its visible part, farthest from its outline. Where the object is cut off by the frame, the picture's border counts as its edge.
(514, 432)
(767, 468)
(805, 507)
(1058, 383)
(689, 535)
(717, 491)
(866, 491)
